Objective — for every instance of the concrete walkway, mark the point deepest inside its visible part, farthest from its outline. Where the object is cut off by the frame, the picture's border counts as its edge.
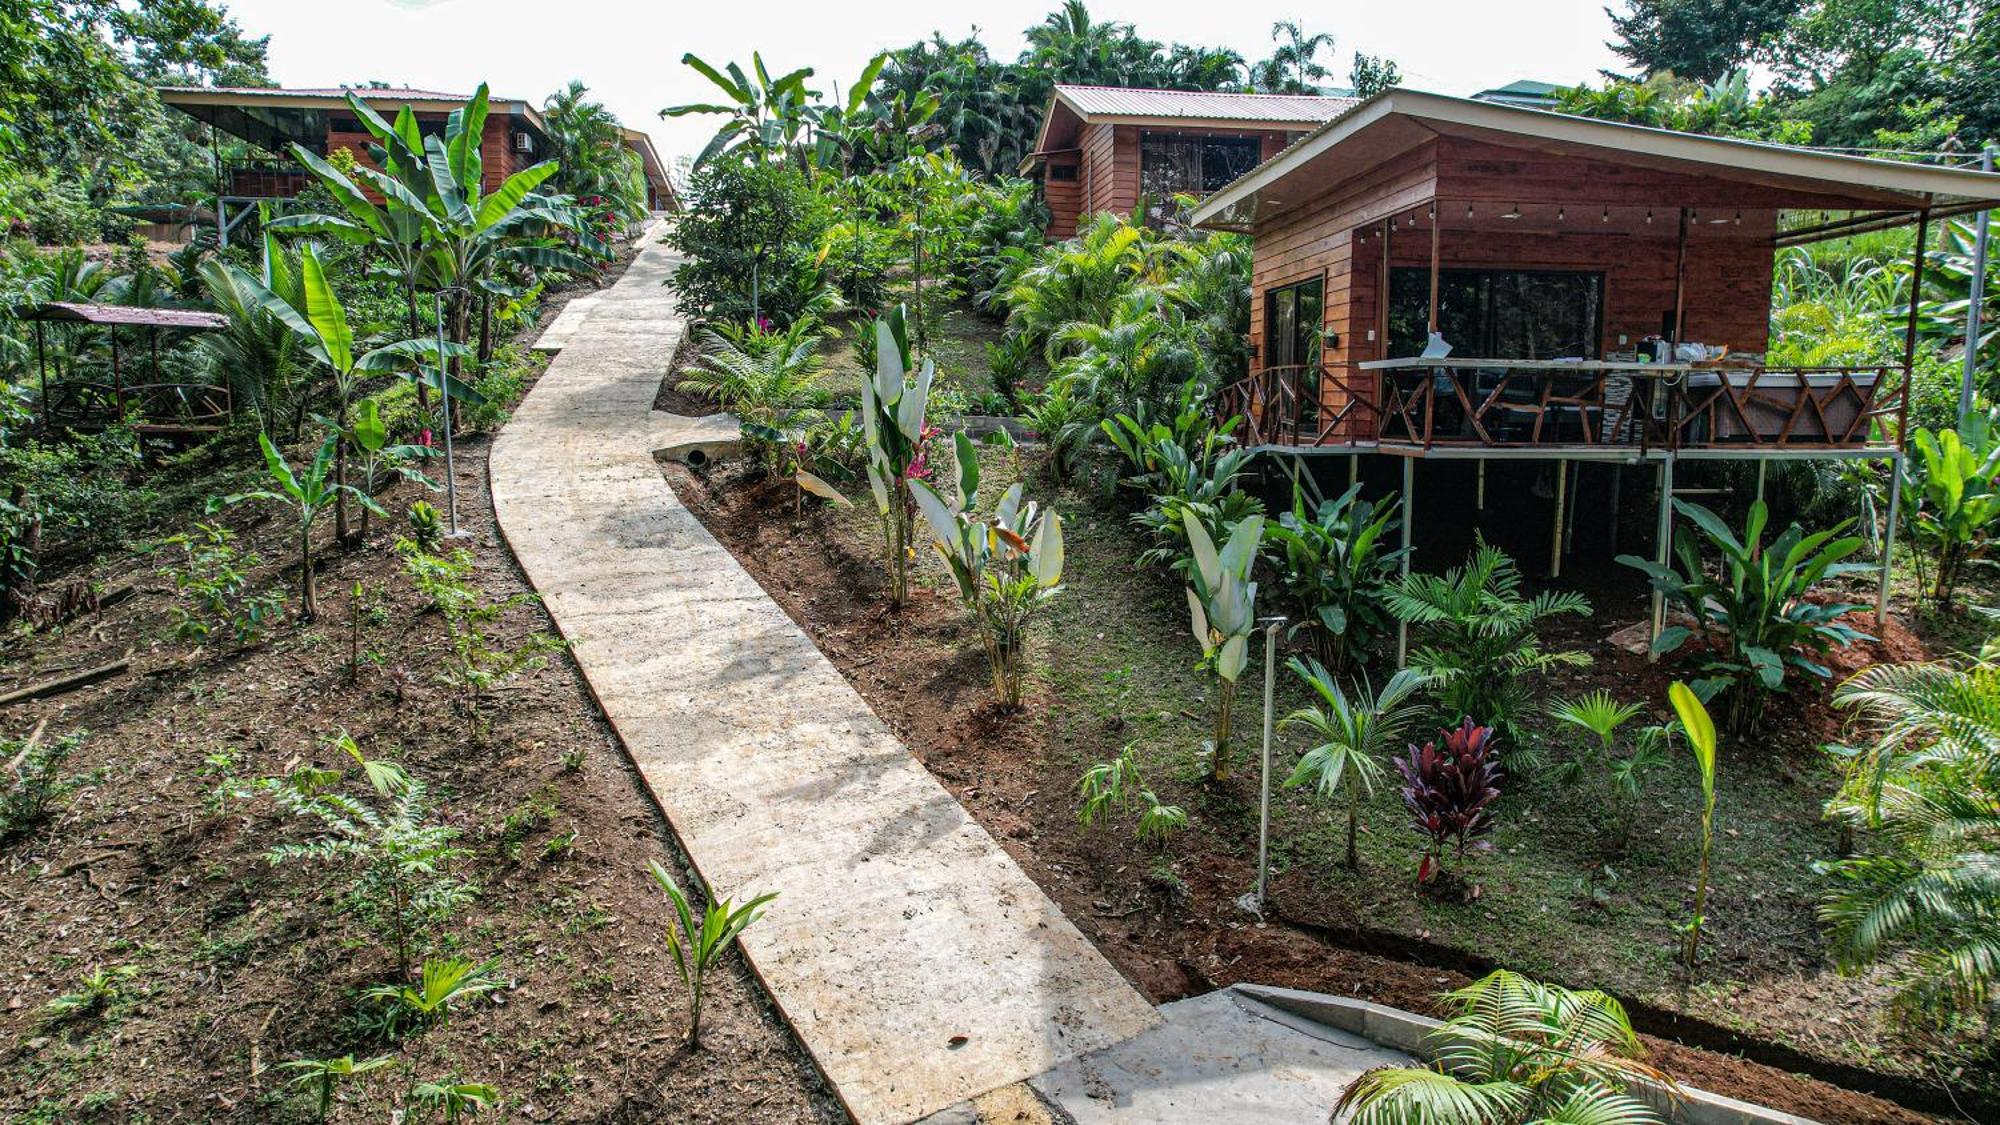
(919, 965)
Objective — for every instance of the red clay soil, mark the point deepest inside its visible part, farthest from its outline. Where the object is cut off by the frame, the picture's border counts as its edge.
(923, 672)
(241, 966)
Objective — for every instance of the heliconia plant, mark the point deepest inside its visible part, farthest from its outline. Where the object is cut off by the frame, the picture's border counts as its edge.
(1007, 566)
(892, 418)
(1222, 599)
(1449, 790)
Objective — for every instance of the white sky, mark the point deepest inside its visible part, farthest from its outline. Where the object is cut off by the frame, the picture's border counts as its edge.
(628, 51)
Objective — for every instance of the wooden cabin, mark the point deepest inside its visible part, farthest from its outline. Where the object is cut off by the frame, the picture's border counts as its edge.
(1571, 266)
(1105, 148)
(273, 119)
(1439, 277)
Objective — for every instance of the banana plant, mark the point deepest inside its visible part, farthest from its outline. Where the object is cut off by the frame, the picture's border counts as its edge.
(1006, 566)
(309, 494)
(1222, 599)
(368, 436)
(765, 117)
(892, 419)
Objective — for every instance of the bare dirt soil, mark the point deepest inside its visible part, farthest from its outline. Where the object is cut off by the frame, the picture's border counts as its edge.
(1167, 916)
(237, 966)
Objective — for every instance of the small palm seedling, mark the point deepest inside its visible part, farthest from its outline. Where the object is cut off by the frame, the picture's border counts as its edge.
(1006, 567)
(455, 1101)
(321, 1077)
(1600, 714)
(444, 982)
(1450, 790)
(1108, 787)
(697, 946)
(1349, 734)
(1516, 1051)
(94, 990)
(1700, 731)
(31, 780)
(764, 376)
(309, 494)
(1222, 599)
(1478, 636)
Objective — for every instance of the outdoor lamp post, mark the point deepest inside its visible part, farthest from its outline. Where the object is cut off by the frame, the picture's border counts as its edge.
(444, 408)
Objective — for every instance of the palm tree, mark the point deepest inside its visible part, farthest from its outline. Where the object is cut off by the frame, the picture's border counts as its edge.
(1294, 68)
(590, 152)
(1515, 1051)
(258, 356)
(1927, 790)
(764, 377)
(1352, 733)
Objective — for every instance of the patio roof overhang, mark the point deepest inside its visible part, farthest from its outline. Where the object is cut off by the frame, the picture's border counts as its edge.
(1808, 186)
(79, 313)
(273, 119)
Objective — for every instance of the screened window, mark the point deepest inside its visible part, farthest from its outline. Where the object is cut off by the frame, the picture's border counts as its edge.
(1293, 316)
(1172, 164)
(1499, 314)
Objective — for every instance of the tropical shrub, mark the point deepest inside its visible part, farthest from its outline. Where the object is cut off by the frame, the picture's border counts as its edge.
(1755, 617)
(751, 233)
(214, 594)
(892, 418)
(456, 1101)
(426, 526)
(697, 946)
(1477, 636)
(1954, 484)
(1449, 791)
(1512, 1052)
(1348, 736)
(1700, 731)
(765, 376)
(1336, 563)
(401, 853)
(479, 661)
(1222, 599)
(33, 781)
(1923, 895)
(1006, 567)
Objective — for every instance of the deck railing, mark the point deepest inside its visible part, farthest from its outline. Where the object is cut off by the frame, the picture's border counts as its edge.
(1502, 404)
(161, 408)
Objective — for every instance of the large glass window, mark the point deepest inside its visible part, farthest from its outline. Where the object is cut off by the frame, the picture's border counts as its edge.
(1173, 164)
(1293, 316)
(1499, 314)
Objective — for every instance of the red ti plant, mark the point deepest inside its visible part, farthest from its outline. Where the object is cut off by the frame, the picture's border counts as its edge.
(1450, 791)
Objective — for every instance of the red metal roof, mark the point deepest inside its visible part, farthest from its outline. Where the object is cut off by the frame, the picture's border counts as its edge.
(122, 314)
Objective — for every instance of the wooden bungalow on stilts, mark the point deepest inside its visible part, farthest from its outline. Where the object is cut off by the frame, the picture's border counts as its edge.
(1445, 278)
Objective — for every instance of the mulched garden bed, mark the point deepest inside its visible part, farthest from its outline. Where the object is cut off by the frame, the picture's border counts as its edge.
(240, 966)
(1168, 919)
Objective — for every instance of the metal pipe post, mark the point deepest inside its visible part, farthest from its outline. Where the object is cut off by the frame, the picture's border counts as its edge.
(1889, 541)
(1663, 537)
(1264, 788)
(444, 404)
(1974, 307)
(1556, 536)
(1409, 518)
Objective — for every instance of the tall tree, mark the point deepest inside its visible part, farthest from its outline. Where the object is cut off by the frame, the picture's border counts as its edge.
(1699, 39)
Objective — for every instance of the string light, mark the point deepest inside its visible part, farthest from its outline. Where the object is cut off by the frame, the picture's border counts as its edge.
(1514, 213)
(1559, 214)
(1607, 216)
(1468, 210)
(1649, 216)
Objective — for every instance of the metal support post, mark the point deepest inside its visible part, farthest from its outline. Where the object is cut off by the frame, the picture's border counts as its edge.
(1556, 533)
(1889, 541)
(1663, 537)
(1973, 308)
(1409, 518)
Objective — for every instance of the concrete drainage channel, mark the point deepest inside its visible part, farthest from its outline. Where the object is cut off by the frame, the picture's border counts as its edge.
(1255, 1055)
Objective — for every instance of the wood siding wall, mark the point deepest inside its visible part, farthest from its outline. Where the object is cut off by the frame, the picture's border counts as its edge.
(1063, 197)
(1337, 236)
(496, 149)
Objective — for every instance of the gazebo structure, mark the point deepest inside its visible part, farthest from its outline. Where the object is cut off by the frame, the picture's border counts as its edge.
(1448, 278)
(161, 408)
